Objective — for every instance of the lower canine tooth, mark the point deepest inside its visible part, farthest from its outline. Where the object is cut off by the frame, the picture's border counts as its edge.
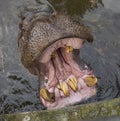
(73, 84)
(68, 49)
(46, 95)
(64, 87)
(90, 80)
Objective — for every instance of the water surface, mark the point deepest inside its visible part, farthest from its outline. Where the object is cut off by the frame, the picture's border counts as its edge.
(19, 89)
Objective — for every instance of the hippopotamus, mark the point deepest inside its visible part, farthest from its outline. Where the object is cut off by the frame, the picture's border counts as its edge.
(49, 45)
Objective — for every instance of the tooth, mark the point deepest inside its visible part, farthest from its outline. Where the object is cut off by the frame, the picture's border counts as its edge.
(64, 87)
(68, 49)
(73, 84)
(58, 86)
(91, 80)
(46, 95)
(54, 54)
(75, 80)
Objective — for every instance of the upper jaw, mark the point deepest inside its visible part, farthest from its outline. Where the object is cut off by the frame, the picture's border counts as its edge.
(75, 43)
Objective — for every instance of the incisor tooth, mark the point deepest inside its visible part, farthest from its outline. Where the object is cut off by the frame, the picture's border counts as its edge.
(64, 87)
(91, 80)
(68, 49)
(73, 84)
(46, 95)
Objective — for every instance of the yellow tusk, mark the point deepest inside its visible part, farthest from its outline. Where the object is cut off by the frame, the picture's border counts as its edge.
(46, 95)
(91, 80)
(73, 84)
(68, 49)
(64, 87)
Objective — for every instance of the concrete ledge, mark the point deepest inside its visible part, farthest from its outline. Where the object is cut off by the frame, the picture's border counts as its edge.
(73, 113)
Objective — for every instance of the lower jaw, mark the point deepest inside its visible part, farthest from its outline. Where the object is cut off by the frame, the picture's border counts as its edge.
(73, 98)
(67, 92)
(83, 92)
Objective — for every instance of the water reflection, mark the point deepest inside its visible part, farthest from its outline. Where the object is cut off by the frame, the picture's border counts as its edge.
(76, 7)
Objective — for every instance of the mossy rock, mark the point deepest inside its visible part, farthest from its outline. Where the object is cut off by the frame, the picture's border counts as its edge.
(73, 113)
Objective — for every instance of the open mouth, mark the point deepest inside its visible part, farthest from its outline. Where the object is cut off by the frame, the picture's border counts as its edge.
(67, 80)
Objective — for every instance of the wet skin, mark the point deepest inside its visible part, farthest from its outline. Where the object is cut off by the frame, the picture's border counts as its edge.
(49, 44)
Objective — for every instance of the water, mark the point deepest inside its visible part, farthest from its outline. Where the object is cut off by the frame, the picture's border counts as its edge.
(19, 89)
